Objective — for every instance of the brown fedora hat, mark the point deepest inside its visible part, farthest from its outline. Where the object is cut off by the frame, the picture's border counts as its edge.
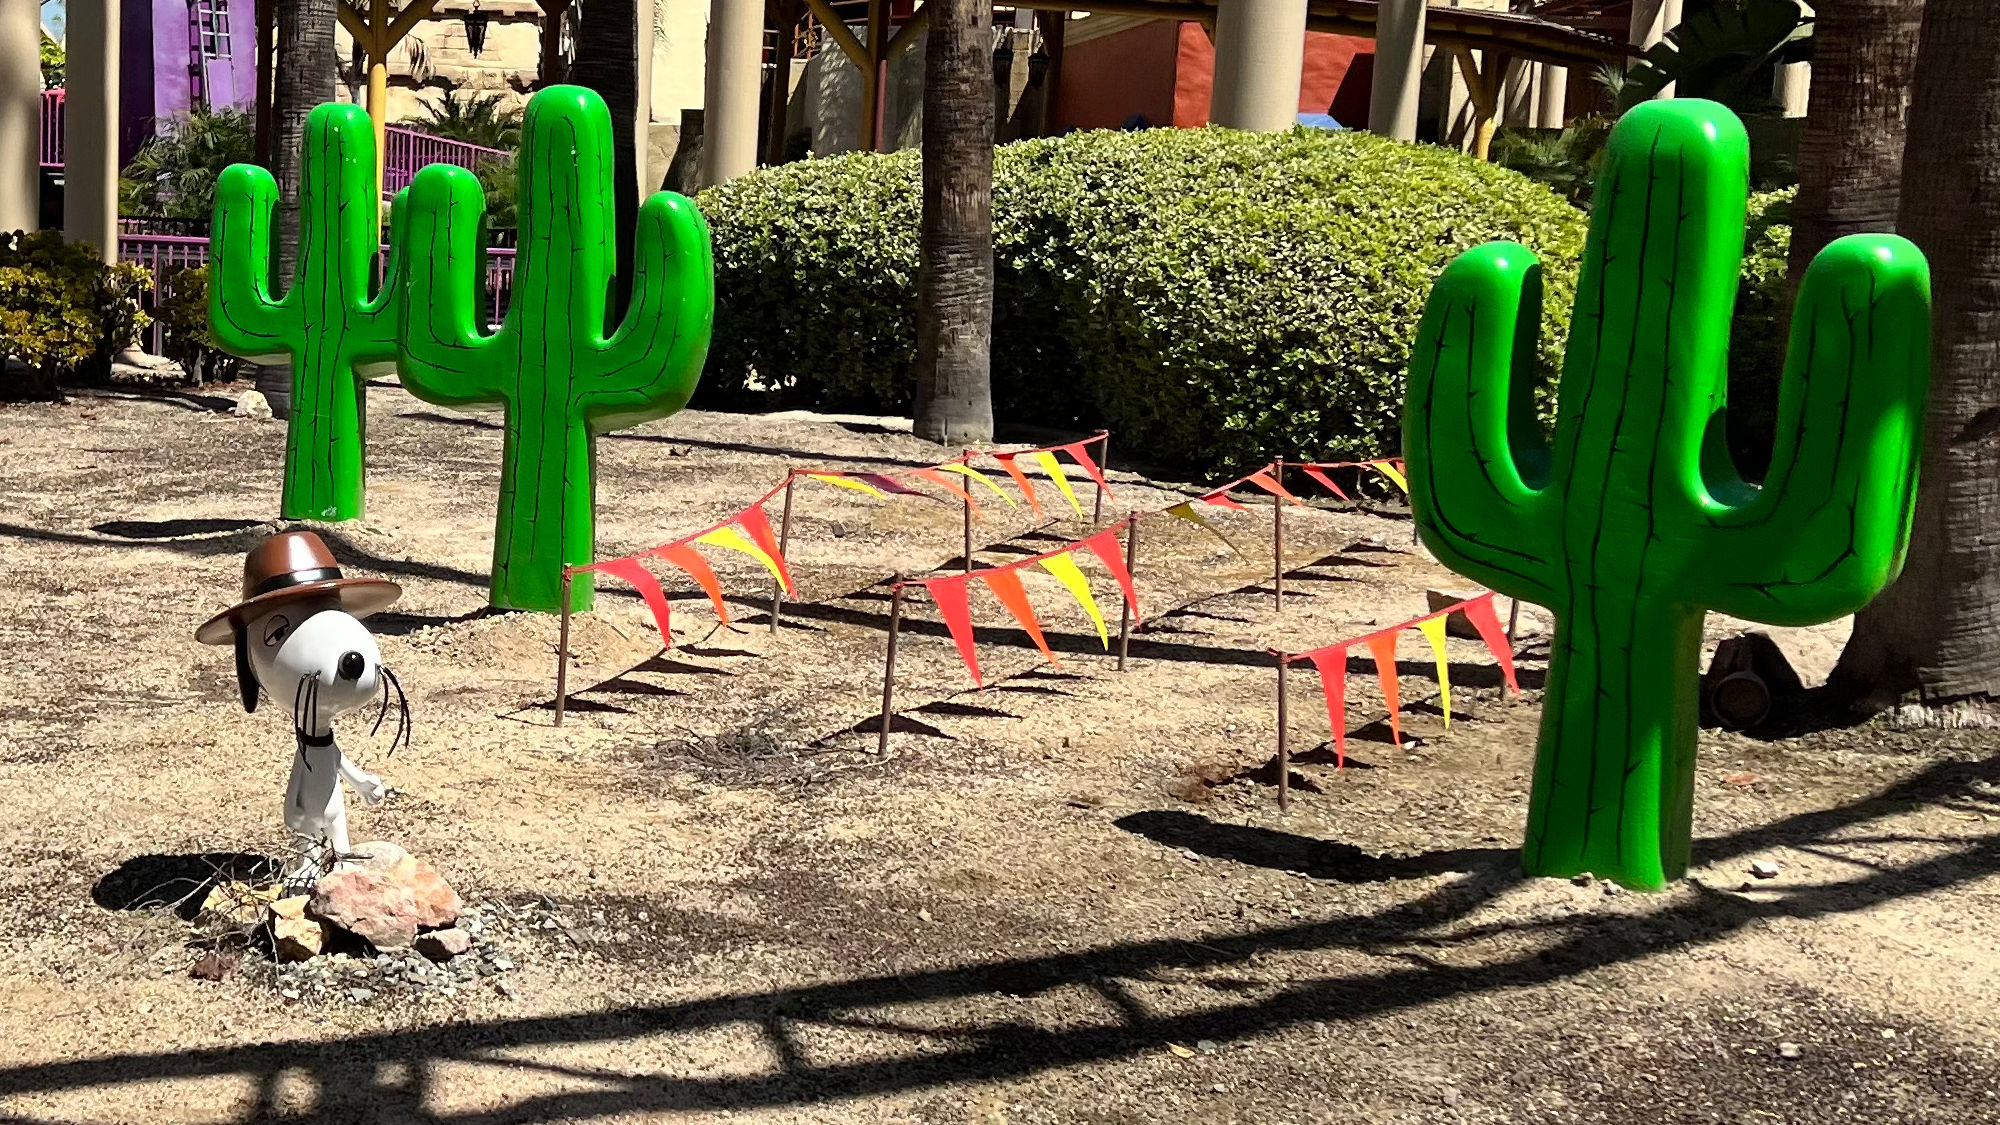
(290, 566)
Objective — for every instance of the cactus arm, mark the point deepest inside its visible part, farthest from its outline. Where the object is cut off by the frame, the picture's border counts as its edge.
(247, 320)
(649, 367)
(1477, 459)
(443, 356)
(1829, 529)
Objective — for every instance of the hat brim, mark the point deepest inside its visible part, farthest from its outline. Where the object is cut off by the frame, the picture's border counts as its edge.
(357, 596)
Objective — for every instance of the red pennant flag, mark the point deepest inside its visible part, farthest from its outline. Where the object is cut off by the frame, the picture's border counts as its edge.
(1332, 665)
(1021, 479)
(1080, 453)
(1006, 585)
(888, 484)
(1479, 611)
(642, 580)
(690, 560)
(956, 609)
(1383, 647)
(754, 521)
(1110, 552)
(949, 485)
(1264, 480)
(1313, 472)
(1222, 500)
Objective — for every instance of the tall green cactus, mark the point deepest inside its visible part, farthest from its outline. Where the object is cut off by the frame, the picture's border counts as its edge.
(561, 379)
(327, 323)
(1633, 524)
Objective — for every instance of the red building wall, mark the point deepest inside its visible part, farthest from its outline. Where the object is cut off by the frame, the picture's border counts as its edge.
(1164, 73)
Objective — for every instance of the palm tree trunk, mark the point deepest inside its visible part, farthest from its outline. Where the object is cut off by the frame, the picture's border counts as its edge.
(607, 61)
(1934, 630)
(954, 400)
(306, 68)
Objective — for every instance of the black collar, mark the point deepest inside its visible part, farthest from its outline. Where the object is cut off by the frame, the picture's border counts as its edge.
(315, 739)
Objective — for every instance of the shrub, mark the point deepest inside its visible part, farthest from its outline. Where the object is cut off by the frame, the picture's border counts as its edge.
(173, 175)
(62, 311)
(186, 339)
(1215, 297)
(1757, 334)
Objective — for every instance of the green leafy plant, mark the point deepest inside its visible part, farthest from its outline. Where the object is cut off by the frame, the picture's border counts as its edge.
(54, 64)
(1217, 298)
(187, 337)
(476, 119)
(63, 312)
(1724, 53)
(1565, 159)
(174, 174)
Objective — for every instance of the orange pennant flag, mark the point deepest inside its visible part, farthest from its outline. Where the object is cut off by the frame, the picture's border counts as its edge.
(949, 485)
(1106, 547)
(1314, 472)
(754, 521)
(1021, 480)
(1332, 665)
(634, 572)
(1006, 585)
(697, 568)
(1383, 647)
(1479, 611)
(1263, 479)
(949, 596)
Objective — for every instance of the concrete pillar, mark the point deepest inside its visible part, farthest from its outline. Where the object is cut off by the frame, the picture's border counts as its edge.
(734, 84)
(1399, 64)
(1793, 87)
(1260, 59)
(1551, 98)
(20, 114)
(642, 124)
(1651, 20)
(90, 127)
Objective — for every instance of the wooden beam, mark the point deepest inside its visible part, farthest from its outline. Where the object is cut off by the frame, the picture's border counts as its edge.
(356, 25)
(849, 45)
(908, 33)
(413, 13)
(1484, 87)
(874, 112)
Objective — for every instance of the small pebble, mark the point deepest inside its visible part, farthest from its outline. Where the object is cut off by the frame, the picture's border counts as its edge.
(1788, 1050)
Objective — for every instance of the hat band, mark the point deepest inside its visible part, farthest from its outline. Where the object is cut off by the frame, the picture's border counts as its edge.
(296, 578)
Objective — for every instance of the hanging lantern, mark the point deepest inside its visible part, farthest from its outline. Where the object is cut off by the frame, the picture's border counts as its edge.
(475, 30)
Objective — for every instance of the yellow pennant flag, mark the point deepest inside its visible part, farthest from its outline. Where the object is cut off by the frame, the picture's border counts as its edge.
(1064, 568)
(1388, 469)
(965, 470)
(1186, 511)
(849, 482)
(1433, 630)
(1053, 467)
(731, 538)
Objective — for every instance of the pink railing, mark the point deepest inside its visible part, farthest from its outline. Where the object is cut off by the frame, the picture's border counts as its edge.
(409, 150)
(52, 128)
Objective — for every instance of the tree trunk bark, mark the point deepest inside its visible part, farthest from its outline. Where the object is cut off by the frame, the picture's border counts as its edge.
(1937, 629)
(306, 70)
(954, 392)
(607, 61)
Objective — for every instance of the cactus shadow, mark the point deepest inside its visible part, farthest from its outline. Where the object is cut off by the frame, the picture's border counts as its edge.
(1331, 860)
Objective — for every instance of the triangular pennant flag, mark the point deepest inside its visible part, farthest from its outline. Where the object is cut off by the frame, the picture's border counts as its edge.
(1053, 467)
(965, 470)
(642, 580)
(1006, 585)
(1433, 630)
(1479, 611)
(732, 539)
(1313, 472)
(887, 483)
(754, 521)
(1264, 480)
(950, 596)
(1066, 572)
(1109, 551)
(1383, 647)
(697, 568)
(1394, 473)
(847, 482)
(1221, 500)
(1080, 453)
(1332, 665)
(1020, 480)
(949, 485)
(1186, 511)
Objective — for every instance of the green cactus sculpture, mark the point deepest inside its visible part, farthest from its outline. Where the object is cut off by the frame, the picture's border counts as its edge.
(333, 331)
(1632, 524)
(561, 379)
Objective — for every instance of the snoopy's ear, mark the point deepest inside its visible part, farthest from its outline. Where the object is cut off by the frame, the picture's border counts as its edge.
(246, 677)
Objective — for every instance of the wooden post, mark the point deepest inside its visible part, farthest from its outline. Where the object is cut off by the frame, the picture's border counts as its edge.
(786, 14)
(1103, 467)
(784, 550)
(876, 92)
(1125, 607)
(968, 527)
(1513, 621)
(889, 666)
(1284, 748)
(1052, 41)
(562, 651)
(1278, 543)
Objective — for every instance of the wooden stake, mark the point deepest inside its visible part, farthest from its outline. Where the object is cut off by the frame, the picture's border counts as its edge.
(1125, 607)
(968, 527)
(784, 548)
(889, 665)
(1284, 750)
(562, 651)
(1103, 467)
(1278, 543)
(1513, 621)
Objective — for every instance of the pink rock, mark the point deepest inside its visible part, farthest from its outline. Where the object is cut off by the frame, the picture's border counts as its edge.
(368, 904)
(437, 904)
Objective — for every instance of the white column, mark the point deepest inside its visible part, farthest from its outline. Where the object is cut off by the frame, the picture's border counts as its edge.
(20, 114)
(1399, 68)
(1260, 59)
(1651, 20)
(1793, 87)
(1550, 100)
(734, 87)
(1517, 94)
(90, 127)
(642, 143)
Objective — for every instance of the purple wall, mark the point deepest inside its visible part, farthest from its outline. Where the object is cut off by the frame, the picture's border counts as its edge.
(160, 55)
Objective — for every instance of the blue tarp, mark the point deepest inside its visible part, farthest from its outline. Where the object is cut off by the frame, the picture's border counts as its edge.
(1320, 121)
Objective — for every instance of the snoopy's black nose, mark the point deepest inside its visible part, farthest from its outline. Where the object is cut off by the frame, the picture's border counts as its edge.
(352, 664)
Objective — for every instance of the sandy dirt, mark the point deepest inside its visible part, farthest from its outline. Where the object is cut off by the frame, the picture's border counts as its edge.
(1069, 898)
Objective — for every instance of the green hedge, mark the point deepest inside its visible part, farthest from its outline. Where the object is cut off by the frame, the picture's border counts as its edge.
(1215, 298)
(1756, 337)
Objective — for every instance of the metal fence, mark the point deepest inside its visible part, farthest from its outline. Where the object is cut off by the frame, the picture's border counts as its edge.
(52, 128)
(409, 150)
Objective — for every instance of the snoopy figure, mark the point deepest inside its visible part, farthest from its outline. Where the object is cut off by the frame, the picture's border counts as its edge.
(298, 634)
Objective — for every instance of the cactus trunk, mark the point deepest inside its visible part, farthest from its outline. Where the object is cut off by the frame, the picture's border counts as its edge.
(545, 512)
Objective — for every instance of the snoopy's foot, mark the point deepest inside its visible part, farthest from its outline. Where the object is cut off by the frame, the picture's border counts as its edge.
(314, 859)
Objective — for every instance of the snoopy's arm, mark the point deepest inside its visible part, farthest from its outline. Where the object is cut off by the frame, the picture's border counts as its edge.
(367, 785)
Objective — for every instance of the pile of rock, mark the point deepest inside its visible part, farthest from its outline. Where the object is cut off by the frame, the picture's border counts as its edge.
(381, 895)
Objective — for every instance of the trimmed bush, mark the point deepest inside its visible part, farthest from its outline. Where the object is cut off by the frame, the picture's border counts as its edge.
(1757, 334)
(1216, 298)
(63, 312)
